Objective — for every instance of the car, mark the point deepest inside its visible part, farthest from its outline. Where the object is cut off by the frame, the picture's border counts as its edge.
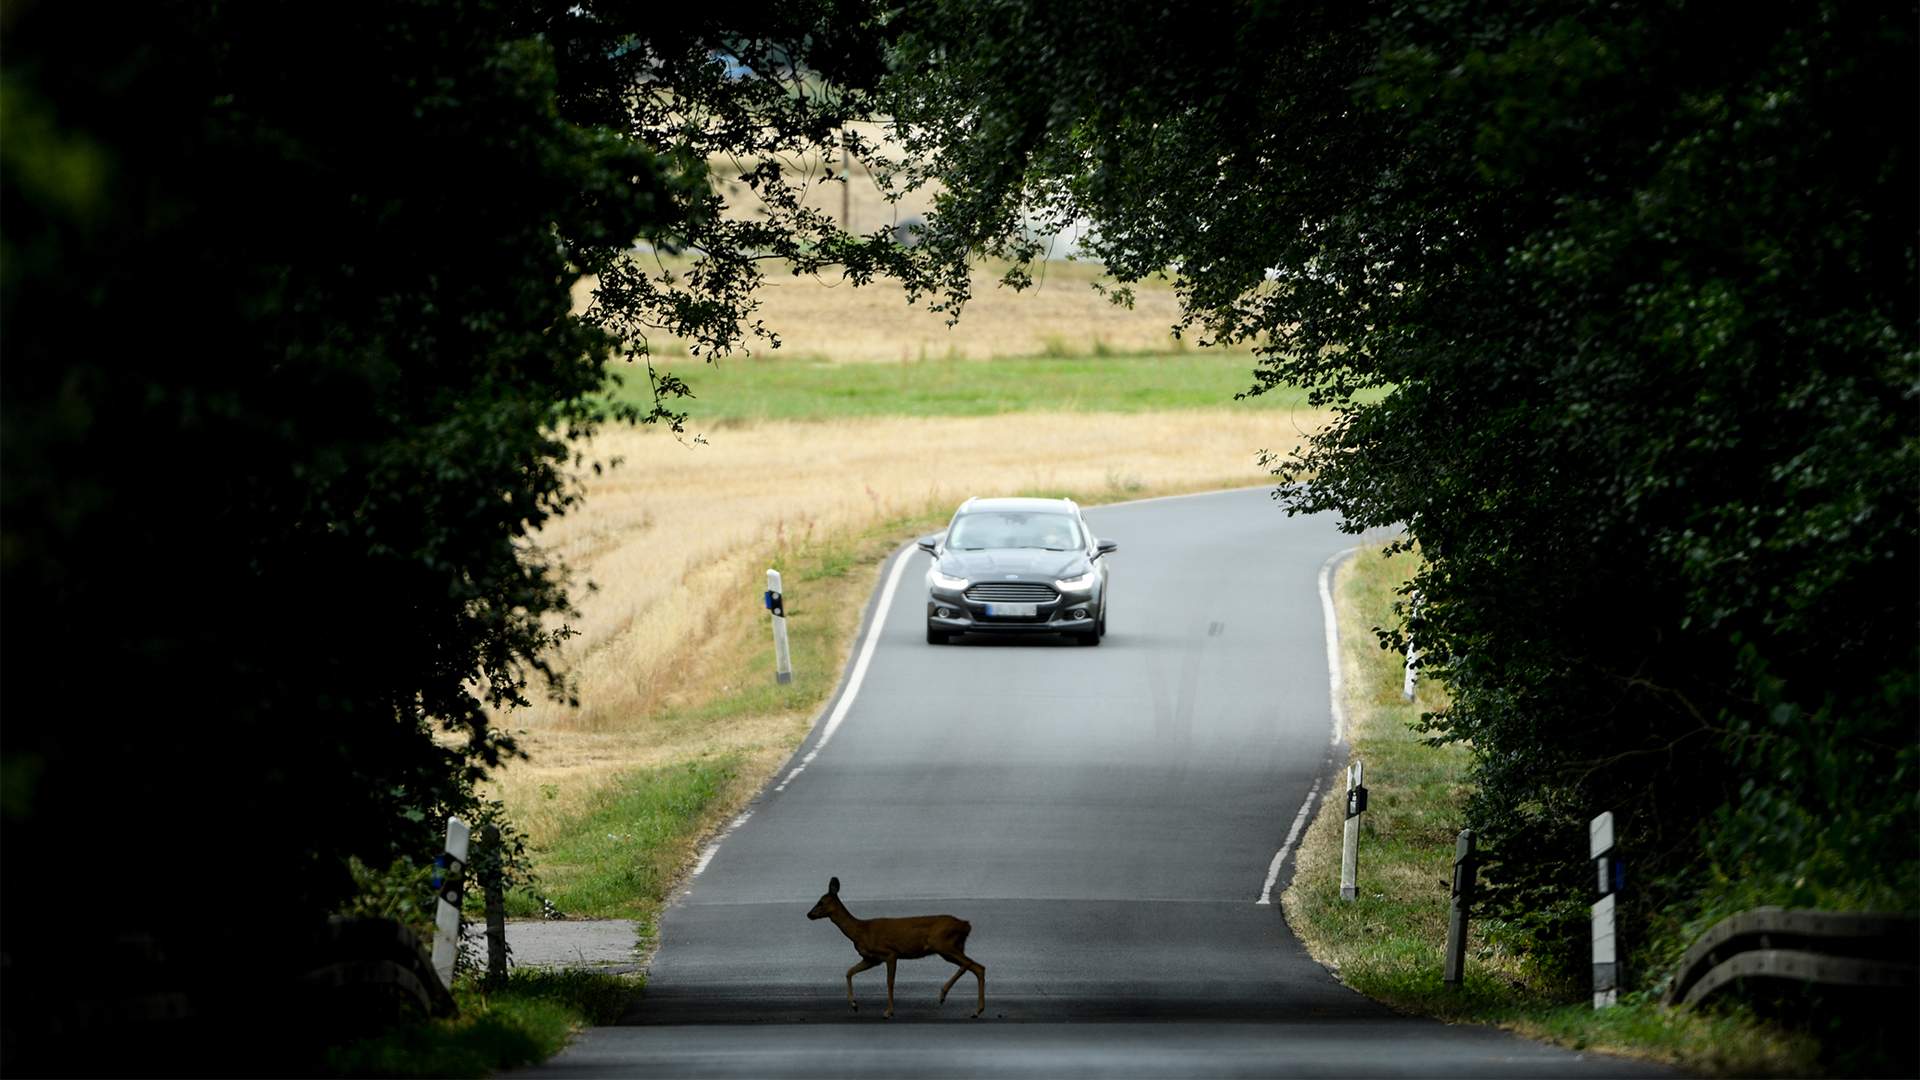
(1017, 566)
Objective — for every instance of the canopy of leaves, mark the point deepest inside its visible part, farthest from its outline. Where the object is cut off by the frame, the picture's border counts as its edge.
(290, 384)
(1641, 282)
(760, 95)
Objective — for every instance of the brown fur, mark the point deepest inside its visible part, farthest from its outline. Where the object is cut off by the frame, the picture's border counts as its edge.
(887, 941)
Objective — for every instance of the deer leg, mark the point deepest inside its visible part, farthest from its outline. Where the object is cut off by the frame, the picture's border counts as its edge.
(966, 965)
(890, 963)
(960, 962)
(957, 972)
(856, 969)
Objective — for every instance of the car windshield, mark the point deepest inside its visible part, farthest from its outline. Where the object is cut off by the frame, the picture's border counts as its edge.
(1002, 529)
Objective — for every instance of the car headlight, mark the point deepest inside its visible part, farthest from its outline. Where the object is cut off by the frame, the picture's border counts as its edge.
(1076, 584)
(941, 581)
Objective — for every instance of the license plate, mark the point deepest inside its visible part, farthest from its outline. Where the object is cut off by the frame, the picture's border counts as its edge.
(1012, 611)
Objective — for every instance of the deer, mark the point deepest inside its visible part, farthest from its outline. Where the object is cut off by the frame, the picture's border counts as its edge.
(887, 941)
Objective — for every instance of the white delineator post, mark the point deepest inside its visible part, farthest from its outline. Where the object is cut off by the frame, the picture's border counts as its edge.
(782, 663)
(1606, 939)
(1413, 654)
(450, 871)
(1350, 843)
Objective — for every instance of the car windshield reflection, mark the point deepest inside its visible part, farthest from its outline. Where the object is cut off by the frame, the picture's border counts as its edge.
(1046, 532)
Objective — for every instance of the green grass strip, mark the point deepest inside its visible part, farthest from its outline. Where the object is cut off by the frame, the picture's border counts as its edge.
(741, 388)
(619, 859)
(524, 1023)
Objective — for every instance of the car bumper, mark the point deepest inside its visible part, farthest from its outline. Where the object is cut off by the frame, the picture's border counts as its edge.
(965, 616)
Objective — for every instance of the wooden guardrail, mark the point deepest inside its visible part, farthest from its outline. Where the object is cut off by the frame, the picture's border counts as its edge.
(1832, 948)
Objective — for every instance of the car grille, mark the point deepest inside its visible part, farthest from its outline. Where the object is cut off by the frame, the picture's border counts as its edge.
(1012, 592)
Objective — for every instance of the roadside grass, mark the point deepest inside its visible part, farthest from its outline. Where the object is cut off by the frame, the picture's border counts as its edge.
(1107, 381)
(525, 1022)
(1388, 943)
(623, 856)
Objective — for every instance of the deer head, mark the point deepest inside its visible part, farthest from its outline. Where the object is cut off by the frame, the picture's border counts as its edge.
(828, 902)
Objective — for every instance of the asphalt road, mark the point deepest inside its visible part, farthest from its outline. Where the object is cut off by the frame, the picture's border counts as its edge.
(1106, 818)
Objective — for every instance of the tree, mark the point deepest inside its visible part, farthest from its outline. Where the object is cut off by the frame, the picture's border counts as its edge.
(290, 383)
(1633, 292)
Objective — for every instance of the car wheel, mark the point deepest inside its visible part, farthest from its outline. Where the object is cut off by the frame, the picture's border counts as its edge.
(1102, 628)
(936, 637)
(1091, 637)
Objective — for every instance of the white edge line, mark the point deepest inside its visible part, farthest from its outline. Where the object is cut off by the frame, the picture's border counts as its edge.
(839, 709)
(1335, 689)
(859, 668)
(1293, 834)
(713, 846)
(1335, 706)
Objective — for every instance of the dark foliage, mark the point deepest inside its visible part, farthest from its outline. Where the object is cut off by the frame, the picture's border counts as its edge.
(290, 381)
(1641, 281)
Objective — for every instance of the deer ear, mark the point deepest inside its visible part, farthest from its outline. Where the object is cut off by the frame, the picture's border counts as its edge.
(833, 887)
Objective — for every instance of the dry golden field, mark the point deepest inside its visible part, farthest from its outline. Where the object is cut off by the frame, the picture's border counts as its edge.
(821, 319)
(678, 538)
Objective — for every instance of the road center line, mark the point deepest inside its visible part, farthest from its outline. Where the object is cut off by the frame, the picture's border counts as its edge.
(859, 668)
(1293, 834)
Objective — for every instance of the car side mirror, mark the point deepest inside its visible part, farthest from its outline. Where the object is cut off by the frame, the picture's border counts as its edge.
(1106, 547)
(928, 544)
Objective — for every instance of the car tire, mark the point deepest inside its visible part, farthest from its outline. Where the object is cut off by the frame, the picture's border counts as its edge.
(1102, 628)
(936, 637)
(1091, 637)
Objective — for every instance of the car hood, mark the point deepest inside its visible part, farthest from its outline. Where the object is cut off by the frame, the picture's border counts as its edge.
(1024, 562)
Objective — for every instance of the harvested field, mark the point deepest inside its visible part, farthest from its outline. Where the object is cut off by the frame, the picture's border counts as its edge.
(1061, 315)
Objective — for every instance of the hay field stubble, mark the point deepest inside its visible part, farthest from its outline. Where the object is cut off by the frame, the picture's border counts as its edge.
(823, 318)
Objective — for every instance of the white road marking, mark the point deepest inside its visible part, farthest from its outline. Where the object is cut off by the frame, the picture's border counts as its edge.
(859, 669)
(1293, 834)
(1335, 691)
(707, 855)
(1337, 707)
